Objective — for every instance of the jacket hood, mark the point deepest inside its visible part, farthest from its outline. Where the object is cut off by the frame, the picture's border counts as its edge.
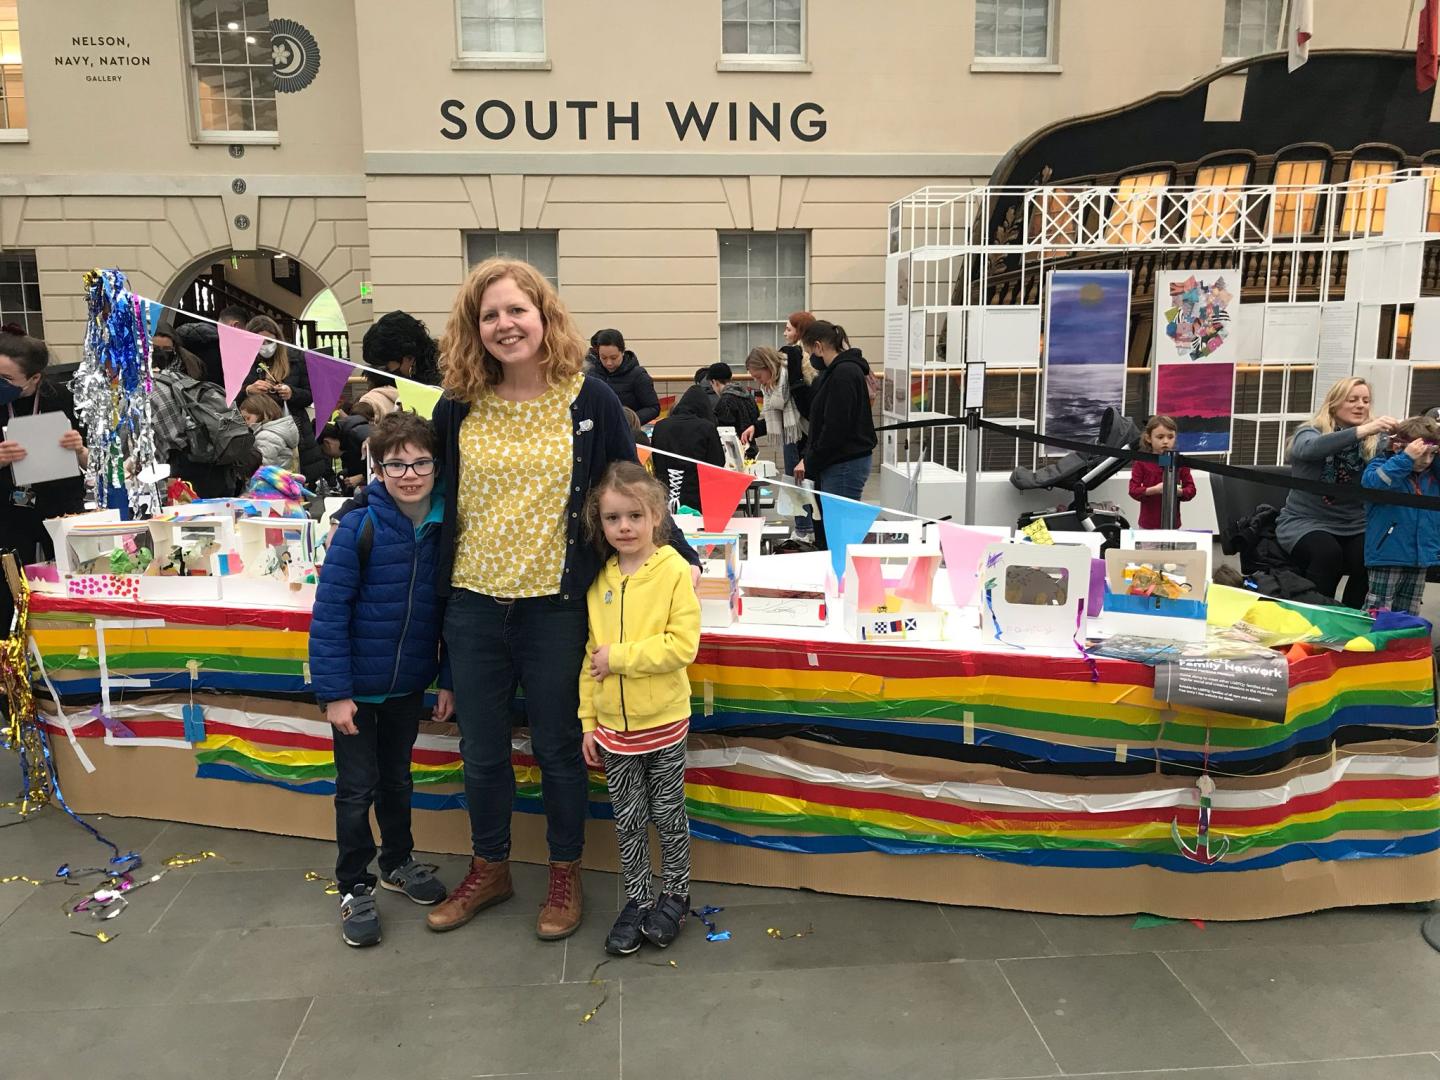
(284, 428)
(649, 569)
(736, 390)
(197, 333)
(850, 356)
(698, 402)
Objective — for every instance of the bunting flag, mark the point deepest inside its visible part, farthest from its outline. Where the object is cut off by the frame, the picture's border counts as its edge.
(720, 493)
(846, 523)
(1426, 44)
(962, 548)
(153, 311)
(418, 397)
(328, 377)
(238, 349)
(642, 453)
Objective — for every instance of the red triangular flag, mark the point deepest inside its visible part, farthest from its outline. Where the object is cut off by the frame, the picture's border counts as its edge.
(238, 349)
(720, 493)
(1426, 45)
(642, 453)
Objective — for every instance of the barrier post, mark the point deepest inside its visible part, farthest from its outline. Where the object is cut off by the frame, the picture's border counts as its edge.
(1169, 493)
(972, 463)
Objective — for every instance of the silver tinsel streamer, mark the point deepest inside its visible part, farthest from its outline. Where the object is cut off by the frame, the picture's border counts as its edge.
(112, 388)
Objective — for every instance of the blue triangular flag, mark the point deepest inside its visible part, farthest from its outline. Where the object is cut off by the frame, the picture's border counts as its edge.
(153, 311)
(846, 523)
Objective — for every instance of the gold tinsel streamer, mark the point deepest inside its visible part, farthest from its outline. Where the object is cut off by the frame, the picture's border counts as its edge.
(177, 861)
(22, 728)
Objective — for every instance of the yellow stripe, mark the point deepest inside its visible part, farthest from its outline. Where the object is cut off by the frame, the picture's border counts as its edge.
(176, 639)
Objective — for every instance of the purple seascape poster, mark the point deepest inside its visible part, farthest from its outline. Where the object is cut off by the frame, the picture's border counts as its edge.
(1086, 337)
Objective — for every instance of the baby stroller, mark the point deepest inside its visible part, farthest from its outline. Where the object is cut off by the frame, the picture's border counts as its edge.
(1080, 473)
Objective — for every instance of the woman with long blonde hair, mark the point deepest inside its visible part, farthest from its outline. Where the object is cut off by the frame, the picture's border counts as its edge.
(1325, 534)
(524, 436)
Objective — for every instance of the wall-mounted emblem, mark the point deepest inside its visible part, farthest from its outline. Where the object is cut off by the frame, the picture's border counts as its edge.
(296, 55)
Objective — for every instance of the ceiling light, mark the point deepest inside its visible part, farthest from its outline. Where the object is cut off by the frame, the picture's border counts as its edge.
(232, 26)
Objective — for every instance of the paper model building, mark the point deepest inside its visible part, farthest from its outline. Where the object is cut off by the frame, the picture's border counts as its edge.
(889, 593)
(719, 576)
(1158, 594)
(1033, 595)
(277, 557)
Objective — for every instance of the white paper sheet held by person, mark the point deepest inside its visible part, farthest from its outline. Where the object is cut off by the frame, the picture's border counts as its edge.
(45, 459)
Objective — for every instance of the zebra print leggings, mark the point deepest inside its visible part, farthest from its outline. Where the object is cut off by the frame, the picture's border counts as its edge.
(647, 788)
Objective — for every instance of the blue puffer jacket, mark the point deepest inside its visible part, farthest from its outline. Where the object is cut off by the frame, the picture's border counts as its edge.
(1401, 535)
(377, 631)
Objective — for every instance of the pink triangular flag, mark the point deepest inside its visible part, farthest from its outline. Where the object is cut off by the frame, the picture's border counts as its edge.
(328, 377)
(720, 493)
(238, 349)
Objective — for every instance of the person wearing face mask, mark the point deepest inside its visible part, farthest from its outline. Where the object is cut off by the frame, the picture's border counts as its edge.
(1325, 534)
(203, 339)
(842, 430)
(25, 391)
(619, 369)
(399, 343)
(165, 353)
(288, 382)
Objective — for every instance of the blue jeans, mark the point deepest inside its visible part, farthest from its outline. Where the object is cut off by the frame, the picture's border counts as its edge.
(846, 478)
(791, 457)
(538, 644)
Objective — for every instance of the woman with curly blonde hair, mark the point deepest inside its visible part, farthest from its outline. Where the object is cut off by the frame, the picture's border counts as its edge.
(524, 436)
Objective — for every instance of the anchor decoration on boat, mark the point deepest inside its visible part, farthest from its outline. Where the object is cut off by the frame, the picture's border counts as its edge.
(1202, 852)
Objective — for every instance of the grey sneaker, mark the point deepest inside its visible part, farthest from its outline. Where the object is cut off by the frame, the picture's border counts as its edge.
(359, 921)
(415, 880)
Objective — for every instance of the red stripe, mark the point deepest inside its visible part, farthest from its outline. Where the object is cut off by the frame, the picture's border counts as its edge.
(786, 787)
(190, 614)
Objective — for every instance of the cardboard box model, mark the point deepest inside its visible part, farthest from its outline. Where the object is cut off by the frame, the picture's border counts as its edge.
(102, 559)
(1091, 542)
(277, 557)
(1033, 595)
(910, 532)
(1157, 594)
(192, 553)
(748, 529)
(769, 606)
(719, 576)
(889, 591)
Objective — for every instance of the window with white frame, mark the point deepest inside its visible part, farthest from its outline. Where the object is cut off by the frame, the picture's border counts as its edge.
(772, 28)
(20, 292)
(1015, 30)
(1215, 204)
(232, 67)
(1135, 210)
(1364, 210)
(1252, 27)
(763, 278)
(505, 28)
(12, 81)
(535, 247)
(1271, 401)
(1293, 209)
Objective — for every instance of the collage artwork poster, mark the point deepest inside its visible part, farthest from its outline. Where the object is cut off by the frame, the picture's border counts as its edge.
(1086, 340)
(1194, 354)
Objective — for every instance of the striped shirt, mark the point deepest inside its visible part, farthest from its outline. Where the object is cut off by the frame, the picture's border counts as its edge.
(642, 742)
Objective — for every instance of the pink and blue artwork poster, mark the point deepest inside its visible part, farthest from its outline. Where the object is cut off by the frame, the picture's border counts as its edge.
(1195, 314)
(1086, 344)
(1198, 397)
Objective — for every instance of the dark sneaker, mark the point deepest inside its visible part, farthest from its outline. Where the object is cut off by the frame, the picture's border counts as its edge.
(415, 880)
(624, 937)
(359, 921)
(661, 924)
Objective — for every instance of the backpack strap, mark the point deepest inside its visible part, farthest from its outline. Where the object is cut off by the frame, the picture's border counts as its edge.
(365, 539)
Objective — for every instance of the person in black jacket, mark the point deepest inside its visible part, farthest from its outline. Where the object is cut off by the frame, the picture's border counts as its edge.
(288, 381)
(734, 404)
(354, 429)
(689, 430)
(618, 369)
(202, 339)
(842, 431)
(401, 344)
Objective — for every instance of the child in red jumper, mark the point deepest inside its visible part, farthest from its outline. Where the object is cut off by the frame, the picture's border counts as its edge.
(1147, 479)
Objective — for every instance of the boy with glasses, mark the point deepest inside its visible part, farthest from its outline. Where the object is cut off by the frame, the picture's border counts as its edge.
(374, 649)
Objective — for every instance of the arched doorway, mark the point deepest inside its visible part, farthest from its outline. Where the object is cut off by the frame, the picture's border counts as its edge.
(262, 282)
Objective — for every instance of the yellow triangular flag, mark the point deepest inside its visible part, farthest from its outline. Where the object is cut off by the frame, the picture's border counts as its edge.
(417, 397)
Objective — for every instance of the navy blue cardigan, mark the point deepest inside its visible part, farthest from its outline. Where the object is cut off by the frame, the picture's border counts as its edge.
(375, 630)
(601, 435)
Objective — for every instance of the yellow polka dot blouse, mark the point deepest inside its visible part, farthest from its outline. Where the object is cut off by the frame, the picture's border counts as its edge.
(516, 459)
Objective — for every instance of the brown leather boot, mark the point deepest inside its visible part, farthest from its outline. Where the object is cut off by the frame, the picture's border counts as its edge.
(487, 884)
(560, 914)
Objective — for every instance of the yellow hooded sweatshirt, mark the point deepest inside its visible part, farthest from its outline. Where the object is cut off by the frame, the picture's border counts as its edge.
(651, 621)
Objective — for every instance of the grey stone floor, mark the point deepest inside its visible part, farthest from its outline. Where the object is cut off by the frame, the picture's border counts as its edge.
(234, 968)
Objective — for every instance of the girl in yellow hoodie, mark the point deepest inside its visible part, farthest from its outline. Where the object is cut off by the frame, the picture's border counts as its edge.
(635, 695)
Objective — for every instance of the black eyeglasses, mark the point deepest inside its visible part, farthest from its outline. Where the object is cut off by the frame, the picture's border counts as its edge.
(396, 469)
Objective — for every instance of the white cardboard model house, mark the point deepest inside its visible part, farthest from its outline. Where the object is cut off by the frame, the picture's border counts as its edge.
(889, 593)
(747, 528)
(99, 556)
(1033, 595)
(719, 576)
(1090, 541)
(277, 556)
(1156, 593)
(192, 553)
